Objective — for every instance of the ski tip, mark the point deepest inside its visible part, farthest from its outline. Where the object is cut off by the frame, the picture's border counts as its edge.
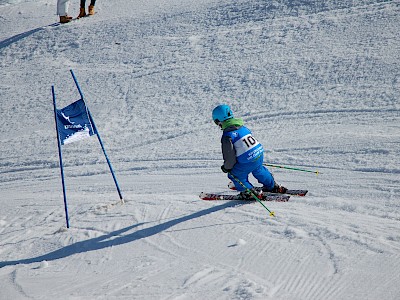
(303, 193)
(207, 197)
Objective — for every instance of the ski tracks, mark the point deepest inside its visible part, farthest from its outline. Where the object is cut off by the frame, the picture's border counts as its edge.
(185, 246)
(309, 258)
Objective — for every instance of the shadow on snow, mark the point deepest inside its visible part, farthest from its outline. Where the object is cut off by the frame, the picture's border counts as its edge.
(114, 238)
(23, 35)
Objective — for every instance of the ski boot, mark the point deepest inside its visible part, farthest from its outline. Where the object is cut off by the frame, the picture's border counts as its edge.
(248, 194)
(276, 189)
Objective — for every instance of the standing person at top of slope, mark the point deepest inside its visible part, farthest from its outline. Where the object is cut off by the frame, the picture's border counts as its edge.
(62, 11)
(82, 11)
(242, 153)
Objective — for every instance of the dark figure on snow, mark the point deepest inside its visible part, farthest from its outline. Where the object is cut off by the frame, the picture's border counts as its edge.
(82, 11)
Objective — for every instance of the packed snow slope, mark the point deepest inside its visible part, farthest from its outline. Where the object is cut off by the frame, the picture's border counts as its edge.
(318, 83)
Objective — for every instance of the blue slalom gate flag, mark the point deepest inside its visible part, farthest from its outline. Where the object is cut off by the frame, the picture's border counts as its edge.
(74, 123)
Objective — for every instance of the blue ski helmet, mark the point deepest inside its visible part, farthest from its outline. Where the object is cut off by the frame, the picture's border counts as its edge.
(221, 113)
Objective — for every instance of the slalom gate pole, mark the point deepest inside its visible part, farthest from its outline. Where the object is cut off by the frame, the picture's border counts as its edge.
(271, 213)
(107, 159)
(290, 168)
(60, 156)
(98, 137)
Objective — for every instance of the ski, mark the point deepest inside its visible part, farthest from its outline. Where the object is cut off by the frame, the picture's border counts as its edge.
(288, 192)
(266, 197)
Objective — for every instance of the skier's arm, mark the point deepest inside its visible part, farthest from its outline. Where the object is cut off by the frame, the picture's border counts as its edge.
(228, 152)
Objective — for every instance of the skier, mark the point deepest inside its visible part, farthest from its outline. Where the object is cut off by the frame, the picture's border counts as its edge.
(82, 11)
(242, 154)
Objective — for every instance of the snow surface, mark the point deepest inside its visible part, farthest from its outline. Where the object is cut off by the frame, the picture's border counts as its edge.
(317, 81)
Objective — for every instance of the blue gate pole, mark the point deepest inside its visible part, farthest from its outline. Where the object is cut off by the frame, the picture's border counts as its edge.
(98, 136)
(60, 156)
(105, 154)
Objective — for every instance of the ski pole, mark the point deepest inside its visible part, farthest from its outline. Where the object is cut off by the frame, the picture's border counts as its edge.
(290, 168)
(271, 213)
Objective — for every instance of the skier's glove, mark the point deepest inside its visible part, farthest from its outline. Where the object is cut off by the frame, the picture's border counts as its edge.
(225, 170)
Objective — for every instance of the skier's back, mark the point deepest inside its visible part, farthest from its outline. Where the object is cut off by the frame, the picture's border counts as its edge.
(242, 153)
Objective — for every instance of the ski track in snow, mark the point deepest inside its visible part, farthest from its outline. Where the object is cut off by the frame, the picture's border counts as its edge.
(317, 82)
